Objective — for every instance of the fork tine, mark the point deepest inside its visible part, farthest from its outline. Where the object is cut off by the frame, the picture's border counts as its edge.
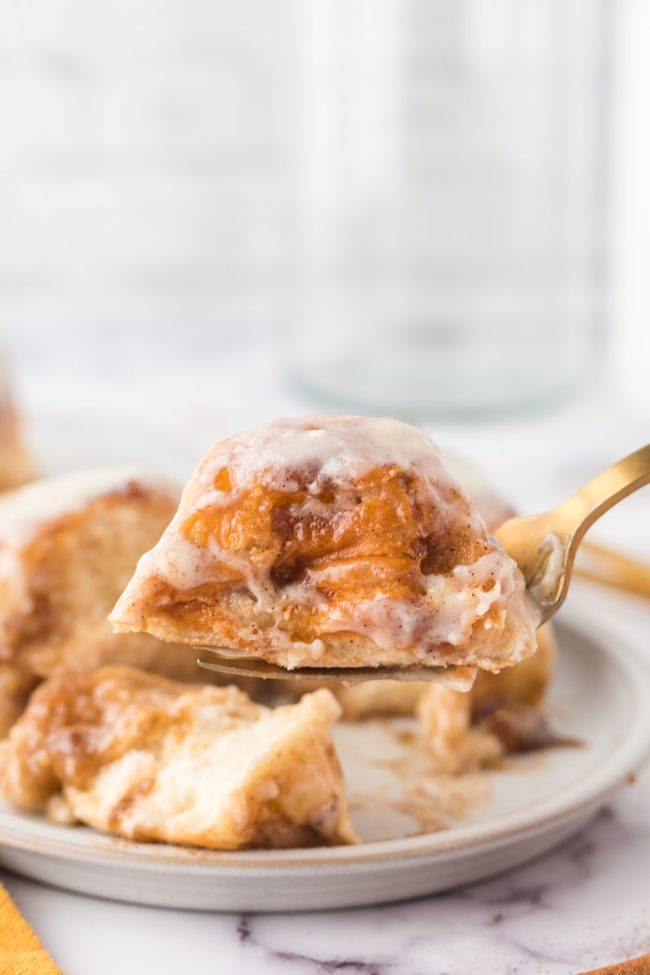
(458, 678)
(544, 546)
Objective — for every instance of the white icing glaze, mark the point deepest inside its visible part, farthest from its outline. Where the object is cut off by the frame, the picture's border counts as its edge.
(24, 509)
(455, 601)
(336, 448)
(187, 564)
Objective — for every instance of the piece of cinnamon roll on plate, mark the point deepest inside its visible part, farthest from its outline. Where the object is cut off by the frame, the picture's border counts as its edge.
(331, 541)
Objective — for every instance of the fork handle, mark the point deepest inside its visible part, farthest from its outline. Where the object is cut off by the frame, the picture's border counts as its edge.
(544, 546)
(611, 568)
(578, 514)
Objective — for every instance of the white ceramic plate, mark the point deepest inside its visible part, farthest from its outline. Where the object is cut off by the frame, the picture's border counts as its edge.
(601, 694)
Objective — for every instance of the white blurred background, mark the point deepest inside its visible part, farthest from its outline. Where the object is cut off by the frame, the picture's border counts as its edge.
(203, 205)
(147, 163)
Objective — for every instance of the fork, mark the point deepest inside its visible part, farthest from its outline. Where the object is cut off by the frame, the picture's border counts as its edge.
(543, 546)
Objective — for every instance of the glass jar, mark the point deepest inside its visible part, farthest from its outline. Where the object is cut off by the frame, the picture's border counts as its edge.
(452, 256)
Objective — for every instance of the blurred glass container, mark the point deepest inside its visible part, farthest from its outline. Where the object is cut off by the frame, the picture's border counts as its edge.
(452, 210)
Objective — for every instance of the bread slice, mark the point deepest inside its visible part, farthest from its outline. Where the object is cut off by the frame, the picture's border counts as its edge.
(331, 541)
(68, 546)
(153, 759)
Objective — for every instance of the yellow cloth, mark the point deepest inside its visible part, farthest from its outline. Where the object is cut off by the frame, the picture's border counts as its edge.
(21, 953)
(634, 966)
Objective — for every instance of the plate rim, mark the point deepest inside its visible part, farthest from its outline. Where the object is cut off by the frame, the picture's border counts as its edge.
(587, 793)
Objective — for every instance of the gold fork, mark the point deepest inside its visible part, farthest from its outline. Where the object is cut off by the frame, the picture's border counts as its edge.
(544, 547)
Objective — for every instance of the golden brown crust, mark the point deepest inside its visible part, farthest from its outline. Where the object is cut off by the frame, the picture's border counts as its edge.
(16, 684)
(72, 567)
(16, 465)
(526, 682)
(454, 744)
(154, 759)
(60, 577)
(340, 555)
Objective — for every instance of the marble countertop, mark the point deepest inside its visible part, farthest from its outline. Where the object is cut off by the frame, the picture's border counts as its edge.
(585, 904)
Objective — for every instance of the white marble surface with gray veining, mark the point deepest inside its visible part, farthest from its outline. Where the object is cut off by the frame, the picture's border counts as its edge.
(583, 905)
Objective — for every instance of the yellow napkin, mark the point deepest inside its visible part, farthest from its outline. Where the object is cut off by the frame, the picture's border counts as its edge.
(634, 966)
(21, 953)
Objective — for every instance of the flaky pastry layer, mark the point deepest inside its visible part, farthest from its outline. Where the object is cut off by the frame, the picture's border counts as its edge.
(152, 759)
(331, 541)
